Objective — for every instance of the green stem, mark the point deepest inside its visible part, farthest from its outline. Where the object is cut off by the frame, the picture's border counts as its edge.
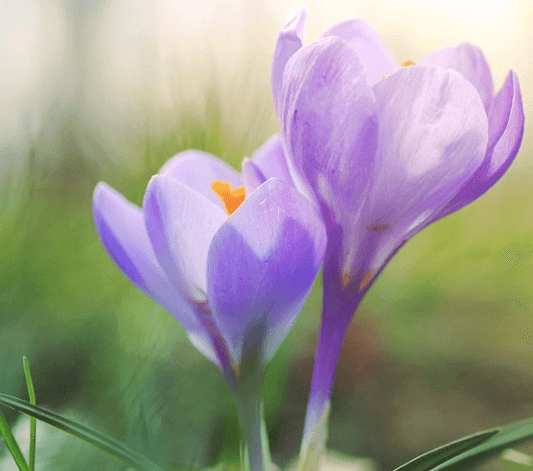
(33, 421)
(248, 401)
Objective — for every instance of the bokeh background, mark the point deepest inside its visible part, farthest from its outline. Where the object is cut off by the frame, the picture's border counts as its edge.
(441, 347)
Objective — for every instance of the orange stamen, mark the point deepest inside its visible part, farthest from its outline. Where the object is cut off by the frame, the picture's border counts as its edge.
(232, 199)
(366, 279)
(345, 280)
(408, 63)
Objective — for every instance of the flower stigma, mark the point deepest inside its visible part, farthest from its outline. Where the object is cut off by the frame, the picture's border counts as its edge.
(231, 199)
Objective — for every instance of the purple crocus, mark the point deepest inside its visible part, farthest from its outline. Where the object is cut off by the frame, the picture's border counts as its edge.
(232, 266)
(383, 151)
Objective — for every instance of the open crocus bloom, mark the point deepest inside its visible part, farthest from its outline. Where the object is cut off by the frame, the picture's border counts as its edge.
(234, 268)
(383, 151)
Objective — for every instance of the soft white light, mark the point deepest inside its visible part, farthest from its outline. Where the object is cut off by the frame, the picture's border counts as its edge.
(476, 9)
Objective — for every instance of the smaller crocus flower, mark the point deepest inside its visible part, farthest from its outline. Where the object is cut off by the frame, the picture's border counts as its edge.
(231, 258)
(383, 151)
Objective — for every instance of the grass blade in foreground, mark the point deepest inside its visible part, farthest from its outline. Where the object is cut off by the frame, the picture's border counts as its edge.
(33, 421)
(470, 451)
(12, 444)
(87, 434)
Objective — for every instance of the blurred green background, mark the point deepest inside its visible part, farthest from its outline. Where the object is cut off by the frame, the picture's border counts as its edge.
(441, 347)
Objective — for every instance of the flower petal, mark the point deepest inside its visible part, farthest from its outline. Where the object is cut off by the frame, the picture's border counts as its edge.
(506, 147)
(252, 176)
(433, 135)
(371, 50)
(121, 228)
(289, 41)
(262, 263)
(506, 123)
(199, 170)
(180, 223)
(271, 160)
(329, 125)
(470, 62)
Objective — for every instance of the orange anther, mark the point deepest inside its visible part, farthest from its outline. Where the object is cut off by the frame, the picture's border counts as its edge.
(366, 279)
(345, 280)
(231, 199)
(408, 63)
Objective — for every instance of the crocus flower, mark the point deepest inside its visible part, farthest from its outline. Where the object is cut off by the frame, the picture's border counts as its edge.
(233, 267)
(383, 151)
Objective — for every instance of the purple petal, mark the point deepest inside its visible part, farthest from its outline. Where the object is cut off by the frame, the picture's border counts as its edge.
(199, 170)
(371, 50)
(121, 228)
(289, 41)
(271, 160)
(506, 122)
(180, 223)
(262, 263)
(252, 176)
(470, 62)
(433, 135)
(506, 147)
(329, 124)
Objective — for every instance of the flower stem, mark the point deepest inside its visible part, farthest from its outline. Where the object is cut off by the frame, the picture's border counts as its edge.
(336, 318)
(248, 401)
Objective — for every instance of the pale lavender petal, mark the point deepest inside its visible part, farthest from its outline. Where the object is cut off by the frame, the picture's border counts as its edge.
(262, 263)
(470, 62)
(506, 147)
(329, 125)
(271, 160)
(507, 123)
(180, 223)
(199, 170)
(371, 50)
(289, 41)
(433, 135)
(120, 226)
(252, 176)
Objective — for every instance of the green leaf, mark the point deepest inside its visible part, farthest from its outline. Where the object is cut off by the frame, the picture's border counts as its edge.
(33, 421)
(471, 451)
(429, 460)
(12, 444)
(87, 434)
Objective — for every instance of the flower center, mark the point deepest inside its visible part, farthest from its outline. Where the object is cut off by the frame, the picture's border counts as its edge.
(231, 199)
(408, 63)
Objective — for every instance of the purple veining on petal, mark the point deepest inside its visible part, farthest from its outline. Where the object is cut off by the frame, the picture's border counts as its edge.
(329, 126)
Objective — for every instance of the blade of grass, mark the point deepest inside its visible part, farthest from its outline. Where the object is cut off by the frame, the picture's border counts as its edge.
(33, 421)
(12, 444)
(433, 458)
(83, 432)
(471, 451)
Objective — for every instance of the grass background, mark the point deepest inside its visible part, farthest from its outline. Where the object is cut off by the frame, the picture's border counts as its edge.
(441, 346)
